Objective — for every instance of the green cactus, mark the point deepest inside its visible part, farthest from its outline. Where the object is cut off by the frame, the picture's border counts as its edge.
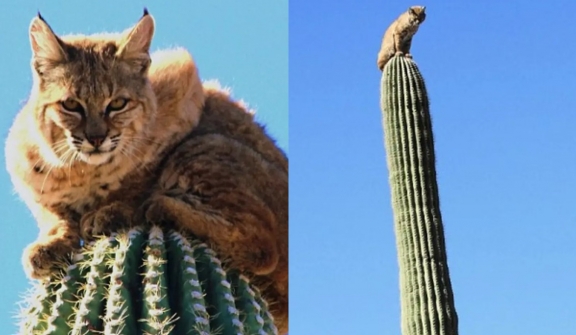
(427, 301)
(145, 283)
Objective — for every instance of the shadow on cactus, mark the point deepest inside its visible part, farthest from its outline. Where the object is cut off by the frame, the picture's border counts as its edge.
(145, 282)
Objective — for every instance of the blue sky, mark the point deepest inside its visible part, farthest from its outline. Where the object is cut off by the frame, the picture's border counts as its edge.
(501, 79)
(245, 46)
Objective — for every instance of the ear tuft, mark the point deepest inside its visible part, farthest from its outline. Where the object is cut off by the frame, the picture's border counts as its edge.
(45, 44)
(137, 40)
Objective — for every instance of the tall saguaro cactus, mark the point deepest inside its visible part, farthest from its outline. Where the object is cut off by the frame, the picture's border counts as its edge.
(426, 292)
(143, 282)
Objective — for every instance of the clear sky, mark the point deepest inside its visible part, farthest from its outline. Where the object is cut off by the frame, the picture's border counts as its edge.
(245, 46)
(501, 80)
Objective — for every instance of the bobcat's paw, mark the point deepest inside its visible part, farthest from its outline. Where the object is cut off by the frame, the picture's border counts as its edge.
(105, 220)
(399, 53)
(41, 257)
(408, 56)
(153, 211)
(172, 209)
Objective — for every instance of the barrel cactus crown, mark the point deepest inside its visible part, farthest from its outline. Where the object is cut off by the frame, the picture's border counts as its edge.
(427, 301)
(145, 282)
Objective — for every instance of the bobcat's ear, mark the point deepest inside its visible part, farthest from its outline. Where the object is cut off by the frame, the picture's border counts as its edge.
(135, 43)
(46, 46)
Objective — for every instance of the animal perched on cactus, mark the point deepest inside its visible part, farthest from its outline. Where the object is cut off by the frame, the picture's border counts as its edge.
(397, 39)
(425, 289)
(145, 282)
(112, 136)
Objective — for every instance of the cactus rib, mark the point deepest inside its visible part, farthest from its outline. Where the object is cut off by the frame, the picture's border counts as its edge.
(123, 282)
(91, 305)
(219, 297)
(188, 297)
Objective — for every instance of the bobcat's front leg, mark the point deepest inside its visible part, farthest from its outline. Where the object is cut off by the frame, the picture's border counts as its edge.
(397, 45)
(240, 228)
(52, 247)
(105, 220)
(406, 47)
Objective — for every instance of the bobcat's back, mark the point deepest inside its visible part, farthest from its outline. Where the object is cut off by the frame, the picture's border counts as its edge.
(232, 174)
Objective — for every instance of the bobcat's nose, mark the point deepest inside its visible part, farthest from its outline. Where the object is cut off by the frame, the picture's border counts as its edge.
(96, 140)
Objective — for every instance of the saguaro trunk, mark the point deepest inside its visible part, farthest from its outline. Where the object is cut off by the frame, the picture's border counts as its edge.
(426, 292)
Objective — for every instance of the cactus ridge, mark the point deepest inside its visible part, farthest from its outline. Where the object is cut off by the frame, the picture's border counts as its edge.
(145, 282)
(427, 301)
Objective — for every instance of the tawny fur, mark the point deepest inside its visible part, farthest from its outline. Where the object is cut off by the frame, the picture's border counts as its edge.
(228, 184)
(398, 37)
(188, 156)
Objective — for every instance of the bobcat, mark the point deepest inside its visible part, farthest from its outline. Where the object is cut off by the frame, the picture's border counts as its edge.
(111, 134)
(398, 36)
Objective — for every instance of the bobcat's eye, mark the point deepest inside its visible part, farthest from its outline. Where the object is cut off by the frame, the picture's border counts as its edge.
(72, 105)
(116, 105)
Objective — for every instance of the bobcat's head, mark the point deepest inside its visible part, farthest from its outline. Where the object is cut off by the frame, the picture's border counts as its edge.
(94, 99)
(418, 13)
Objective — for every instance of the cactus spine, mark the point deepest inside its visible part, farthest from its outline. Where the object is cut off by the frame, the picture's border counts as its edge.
(427, 301)
(139, 282)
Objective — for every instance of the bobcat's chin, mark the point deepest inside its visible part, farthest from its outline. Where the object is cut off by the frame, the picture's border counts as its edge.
(96, 158)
